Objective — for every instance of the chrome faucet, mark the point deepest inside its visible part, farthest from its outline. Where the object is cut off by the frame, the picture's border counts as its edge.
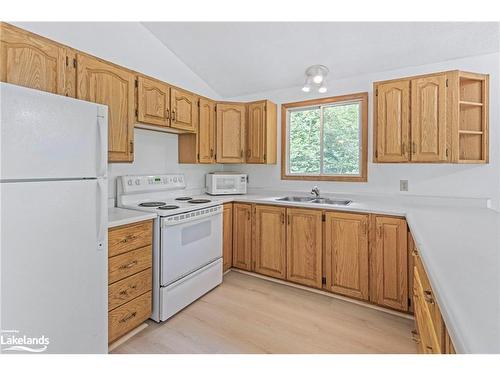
(315, 191)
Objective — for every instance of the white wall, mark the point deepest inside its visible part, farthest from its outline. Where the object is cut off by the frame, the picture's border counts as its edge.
(131, 45)
(424, 179)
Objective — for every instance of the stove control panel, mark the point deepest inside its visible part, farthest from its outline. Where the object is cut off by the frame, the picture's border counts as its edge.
(130, 184)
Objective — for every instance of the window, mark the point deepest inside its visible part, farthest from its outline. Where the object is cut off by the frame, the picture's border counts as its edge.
(325, 139)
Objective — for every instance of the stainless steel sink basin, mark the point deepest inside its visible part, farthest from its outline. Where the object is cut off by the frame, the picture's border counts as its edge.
(335, 202)
(295, 199)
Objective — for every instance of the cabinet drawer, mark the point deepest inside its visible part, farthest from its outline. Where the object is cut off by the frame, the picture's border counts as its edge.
(130, 237)
(129, 288)
(429, 332)
(128, 316)
(121, 266)
(429, 300)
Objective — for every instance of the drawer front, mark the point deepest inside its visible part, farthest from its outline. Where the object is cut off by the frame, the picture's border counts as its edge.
(124, 265)
(130, 237)
(128, 316)
(129, 288)
(428, 333)
(430, 301)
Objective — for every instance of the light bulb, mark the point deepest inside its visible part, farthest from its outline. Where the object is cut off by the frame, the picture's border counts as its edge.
(318, 78)
(322, 89)
(306, 88)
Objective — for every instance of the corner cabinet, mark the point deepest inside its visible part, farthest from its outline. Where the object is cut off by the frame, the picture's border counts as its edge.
(230, 133)
(261, 133)
(346, 254)
(433, 118)
(242, 236)
(105, 83)
(206, 132)
(32, 61)
(389, 262)
(227, 236)
(153, 102)
(183, 109)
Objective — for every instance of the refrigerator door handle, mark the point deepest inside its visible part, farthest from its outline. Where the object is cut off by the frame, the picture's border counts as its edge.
(102, 146)
(101, 213)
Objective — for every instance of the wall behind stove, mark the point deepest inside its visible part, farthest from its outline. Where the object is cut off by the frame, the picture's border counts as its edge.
(131, 45)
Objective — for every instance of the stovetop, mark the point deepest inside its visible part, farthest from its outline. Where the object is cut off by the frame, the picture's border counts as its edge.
(165, 195)
(168, 206)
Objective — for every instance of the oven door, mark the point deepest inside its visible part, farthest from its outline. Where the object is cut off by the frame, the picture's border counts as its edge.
(188, 242)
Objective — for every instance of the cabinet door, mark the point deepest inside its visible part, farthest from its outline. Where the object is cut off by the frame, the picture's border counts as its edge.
(256, 133)
(269, 252)
(105, 83)
(428, 118)
(227, 231)
(230, 133)
(35, 62)
(183, 107)
(304, 240)
(153, 102)
(393, 122)
(206, 132)
(389, 262)
(346, 250)
(242, 236)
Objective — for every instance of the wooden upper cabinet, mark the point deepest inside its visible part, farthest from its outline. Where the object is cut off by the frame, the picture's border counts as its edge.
(242, 236)
(105, 83)
(227, 236)
(433, 118)
(428, 118)
(183, 109)
(389, 262)
(261, 133)
(230, 133)
(153, 102)
(206, 131)
(304, 246)
(269, 251)
(346, 254)
(392, 122)
(35, 62)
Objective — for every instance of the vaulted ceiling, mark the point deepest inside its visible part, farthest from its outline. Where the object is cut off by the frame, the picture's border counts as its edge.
(243, 58)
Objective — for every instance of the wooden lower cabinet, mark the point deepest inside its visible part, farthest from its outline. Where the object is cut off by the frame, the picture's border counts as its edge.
(130, 277)
(358, 255)
(242, 236)
(389, 262)
(304, 247)
(269, 250)
(431, 333)
(346, 254)
(227, 236)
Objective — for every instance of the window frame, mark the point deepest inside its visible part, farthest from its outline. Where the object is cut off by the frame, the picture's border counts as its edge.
(362, 98)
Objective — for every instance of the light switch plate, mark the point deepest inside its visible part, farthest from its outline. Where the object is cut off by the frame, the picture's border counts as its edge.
(403, 185)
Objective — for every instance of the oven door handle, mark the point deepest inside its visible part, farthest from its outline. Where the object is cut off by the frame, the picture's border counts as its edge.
(189, 217)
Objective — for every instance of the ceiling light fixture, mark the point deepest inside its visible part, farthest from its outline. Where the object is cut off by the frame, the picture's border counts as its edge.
(316, 76)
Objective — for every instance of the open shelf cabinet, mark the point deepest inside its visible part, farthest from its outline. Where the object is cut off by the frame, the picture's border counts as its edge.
(471, 139)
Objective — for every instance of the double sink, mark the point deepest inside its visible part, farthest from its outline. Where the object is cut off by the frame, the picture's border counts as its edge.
(317, 200)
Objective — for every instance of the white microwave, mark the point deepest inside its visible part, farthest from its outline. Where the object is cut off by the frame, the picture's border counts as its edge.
(220, 183)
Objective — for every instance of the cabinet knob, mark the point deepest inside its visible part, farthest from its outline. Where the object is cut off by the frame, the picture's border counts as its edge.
(428, 297)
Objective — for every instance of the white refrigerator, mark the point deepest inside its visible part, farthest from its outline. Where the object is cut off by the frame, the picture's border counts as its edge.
(53, 196)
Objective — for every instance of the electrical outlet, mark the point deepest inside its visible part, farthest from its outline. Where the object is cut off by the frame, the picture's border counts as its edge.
(403, 185)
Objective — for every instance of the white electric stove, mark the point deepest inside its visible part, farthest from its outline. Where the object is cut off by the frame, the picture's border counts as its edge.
(187, 238)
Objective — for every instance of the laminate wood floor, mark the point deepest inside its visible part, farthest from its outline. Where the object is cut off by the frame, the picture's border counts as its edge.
(246, 314)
